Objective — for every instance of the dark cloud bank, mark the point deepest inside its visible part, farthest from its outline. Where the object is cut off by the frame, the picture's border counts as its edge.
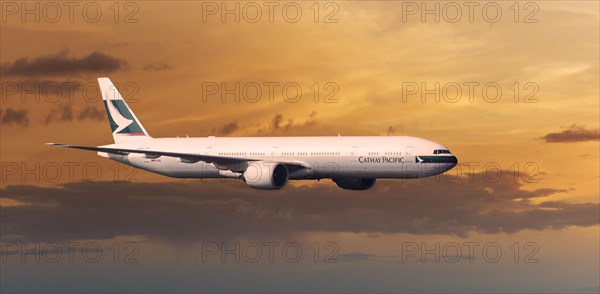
(65, 113)
(61, 64)
(195, 210)
(15, 116)
(574, 133)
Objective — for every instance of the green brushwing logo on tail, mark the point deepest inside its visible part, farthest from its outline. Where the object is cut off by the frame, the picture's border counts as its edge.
(121, 120)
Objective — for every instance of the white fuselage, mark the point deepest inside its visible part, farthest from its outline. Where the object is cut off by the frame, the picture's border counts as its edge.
(320, 157)
(353, 163)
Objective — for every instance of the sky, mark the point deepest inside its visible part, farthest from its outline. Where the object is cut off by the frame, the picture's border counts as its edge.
(511, 89)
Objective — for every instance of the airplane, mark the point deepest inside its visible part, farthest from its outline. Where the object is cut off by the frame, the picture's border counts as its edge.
(352, 162)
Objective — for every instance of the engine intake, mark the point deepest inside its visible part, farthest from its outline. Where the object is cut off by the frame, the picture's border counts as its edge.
(354, 183)
(266, 175)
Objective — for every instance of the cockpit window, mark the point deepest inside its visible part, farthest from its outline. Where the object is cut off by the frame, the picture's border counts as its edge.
(441, 151)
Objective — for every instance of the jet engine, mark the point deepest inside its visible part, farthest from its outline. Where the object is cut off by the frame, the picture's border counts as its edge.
(354, 183)
(266, 175)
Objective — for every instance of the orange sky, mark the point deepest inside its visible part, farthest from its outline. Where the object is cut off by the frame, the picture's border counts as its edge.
(367, 55)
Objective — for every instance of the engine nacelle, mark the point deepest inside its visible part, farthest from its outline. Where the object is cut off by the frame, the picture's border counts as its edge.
(266, 175)
(354, 183)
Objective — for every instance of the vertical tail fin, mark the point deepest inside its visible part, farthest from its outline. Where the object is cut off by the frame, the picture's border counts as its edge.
(123, 123)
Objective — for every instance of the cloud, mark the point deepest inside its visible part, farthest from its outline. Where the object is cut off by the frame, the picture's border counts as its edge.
(62, 65)
(573, 133)
(356, 256)
(227, 128)
(276, 122)
(60, 114)
(14, 116)
(390, 131)
(196, 210)
(280, 124)
(394, 130)
(157, 66)
(92, 113)
(65, 113)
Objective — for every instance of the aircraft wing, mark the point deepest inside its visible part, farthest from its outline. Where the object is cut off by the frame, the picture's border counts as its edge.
(185, 157)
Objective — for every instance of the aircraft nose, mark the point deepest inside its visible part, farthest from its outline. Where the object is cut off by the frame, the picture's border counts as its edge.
(453, 161)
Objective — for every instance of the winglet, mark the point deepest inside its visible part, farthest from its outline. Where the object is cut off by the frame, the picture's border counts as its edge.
(57, 145)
